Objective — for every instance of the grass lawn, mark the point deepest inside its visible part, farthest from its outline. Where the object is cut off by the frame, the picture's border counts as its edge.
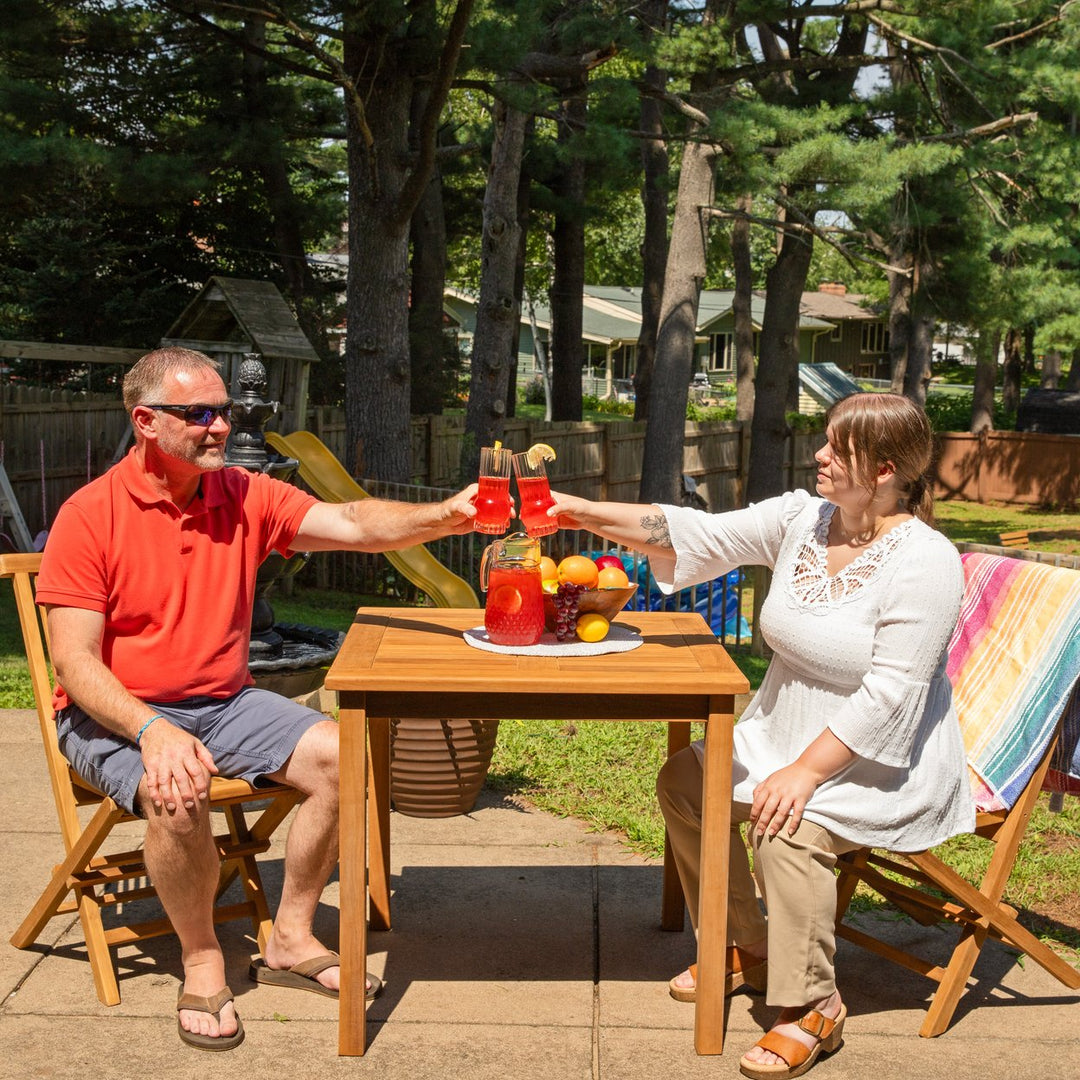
(604, 774)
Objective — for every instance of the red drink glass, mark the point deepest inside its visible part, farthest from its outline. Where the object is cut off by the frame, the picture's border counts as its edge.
(535, 496)
(510, 575)
(493, 499)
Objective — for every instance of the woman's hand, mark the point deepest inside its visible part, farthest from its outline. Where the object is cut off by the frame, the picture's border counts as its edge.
(782, 797)
(570, 511)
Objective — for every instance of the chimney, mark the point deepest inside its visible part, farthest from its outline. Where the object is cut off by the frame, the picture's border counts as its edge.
(836, 288)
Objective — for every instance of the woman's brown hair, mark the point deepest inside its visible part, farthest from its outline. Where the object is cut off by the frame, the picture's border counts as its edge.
(870, 430)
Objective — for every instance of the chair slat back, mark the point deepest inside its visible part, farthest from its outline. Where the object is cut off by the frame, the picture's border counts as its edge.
(21, 570)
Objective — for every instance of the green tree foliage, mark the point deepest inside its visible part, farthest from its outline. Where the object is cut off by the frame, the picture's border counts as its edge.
(131, 169)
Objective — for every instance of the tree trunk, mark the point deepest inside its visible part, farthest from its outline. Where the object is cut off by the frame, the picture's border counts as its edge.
(982, 404)
(524, 188)
(1029, 349)
(920, 352)
(654, 245)
(1014, 360)
(497, 313)
(778, 366)
(568, 279)
(381, 61)
(377, 389)
(899, 317)
(1072, 381)
(740, 311)
(661, 469)
(427, 230)
(1051, 371)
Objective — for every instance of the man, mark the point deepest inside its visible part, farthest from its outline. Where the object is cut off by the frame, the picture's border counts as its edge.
(148, 580)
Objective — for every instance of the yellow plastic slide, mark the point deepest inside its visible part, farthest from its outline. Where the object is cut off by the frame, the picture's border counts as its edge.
(331, 482)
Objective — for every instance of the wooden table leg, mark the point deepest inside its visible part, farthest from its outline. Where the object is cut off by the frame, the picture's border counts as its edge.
(673, 902)
(352, 1019)
(379, 823)
(713, 901)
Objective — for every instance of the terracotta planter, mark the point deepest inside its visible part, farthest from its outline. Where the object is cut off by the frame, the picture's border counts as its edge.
(437, 767)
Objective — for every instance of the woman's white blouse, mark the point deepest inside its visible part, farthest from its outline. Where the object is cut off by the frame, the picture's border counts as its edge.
(862, 653)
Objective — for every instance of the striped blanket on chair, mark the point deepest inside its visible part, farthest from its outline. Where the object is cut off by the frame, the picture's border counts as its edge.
(1014, 660)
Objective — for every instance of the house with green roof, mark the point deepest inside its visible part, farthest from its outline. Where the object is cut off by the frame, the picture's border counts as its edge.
(833, 328)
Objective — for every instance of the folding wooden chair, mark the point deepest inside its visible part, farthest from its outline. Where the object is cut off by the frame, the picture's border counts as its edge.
(995, 665)
(119, 878)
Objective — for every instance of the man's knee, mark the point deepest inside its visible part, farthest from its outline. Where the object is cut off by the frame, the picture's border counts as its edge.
(313, 765)
(182, 823)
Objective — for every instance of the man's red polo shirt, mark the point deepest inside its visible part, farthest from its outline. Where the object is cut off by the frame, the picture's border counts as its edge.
(176, 587)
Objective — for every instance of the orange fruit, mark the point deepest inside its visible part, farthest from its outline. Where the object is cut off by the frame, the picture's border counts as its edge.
(580, 570)
(592, 627)
(549, 570)
(612, 577)
(506, 600)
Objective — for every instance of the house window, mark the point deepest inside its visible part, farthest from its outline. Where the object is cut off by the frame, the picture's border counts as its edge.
(875, 338)
(722, 352)
(837, 332)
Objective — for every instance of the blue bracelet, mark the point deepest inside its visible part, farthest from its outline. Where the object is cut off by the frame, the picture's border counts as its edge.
(138, 738)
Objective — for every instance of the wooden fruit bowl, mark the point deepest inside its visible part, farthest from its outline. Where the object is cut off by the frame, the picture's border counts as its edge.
(606, 602)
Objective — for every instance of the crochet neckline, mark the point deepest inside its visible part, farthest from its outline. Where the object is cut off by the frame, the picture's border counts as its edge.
(811, 584)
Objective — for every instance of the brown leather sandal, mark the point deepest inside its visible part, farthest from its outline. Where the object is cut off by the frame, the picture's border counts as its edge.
(742, 968)
(798, 1057)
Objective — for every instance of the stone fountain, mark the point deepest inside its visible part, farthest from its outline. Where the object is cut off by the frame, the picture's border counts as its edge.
(286, 658)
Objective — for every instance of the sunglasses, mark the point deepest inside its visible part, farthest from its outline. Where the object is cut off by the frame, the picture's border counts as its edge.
(197, 415)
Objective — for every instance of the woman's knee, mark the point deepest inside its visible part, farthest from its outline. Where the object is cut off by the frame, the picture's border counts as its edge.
(678, 784)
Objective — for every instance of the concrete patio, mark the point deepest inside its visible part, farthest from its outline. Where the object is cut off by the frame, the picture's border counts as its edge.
(523, 947)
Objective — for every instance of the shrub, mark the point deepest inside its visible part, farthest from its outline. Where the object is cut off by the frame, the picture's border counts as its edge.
(952, 412)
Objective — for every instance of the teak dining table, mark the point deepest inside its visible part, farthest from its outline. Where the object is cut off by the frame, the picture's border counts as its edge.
(415, 662)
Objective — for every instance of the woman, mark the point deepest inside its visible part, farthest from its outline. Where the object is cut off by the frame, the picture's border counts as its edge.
(851, 739)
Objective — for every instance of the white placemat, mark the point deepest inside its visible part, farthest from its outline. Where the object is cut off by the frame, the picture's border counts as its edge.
(619, 639)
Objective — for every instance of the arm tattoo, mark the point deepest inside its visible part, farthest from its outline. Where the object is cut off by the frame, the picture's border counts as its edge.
(657, 527)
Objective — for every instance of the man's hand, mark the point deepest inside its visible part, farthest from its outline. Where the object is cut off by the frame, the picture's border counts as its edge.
(460, 509)
(178, 766)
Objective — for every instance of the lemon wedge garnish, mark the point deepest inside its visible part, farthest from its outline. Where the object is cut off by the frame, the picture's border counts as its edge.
(538, 453)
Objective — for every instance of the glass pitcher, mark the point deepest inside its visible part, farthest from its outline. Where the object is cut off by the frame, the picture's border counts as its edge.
(510, 575)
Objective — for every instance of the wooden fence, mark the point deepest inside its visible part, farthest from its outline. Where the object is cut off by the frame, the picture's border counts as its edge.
(1024, 467)
(595, 460)
(54, 441)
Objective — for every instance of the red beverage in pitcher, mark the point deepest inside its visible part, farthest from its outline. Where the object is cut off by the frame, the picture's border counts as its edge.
(535, 499)
(514, 614)
(492, 505)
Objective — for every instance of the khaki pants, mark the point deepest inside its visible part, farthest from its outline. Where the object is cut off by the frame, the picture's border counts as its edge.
(794, 873)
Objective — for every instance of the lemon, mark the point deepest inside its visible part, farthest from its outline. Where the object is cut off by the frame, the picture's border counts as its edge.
(538, 453)
(592, 627)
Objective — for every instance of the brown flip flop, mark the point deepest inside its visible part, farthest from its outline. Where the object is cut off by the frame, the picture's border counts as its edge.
(213, 1006)
(302, 976)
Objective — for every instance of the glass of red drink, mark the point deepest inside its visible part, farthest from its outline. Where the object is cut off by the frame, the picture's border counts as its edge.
(534, 494)
(493, 499)
(510, 575)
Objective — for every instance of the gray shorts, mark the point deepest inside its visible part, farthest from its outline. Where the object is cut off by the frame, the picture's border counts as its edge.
(249, 736)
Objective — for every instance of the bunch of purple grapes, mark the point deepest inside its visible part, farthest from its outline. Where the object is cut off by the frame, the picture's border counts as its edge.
(566, 609)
